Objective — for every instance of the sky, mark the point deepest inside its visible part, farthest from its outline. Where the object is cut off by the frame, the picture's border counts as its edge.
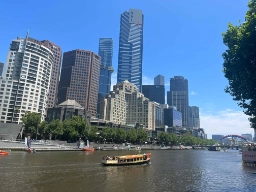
(181, 38)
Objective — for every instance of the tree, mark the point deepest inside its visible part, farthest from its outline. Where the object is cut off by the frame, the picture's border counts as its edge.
(55, 128)
(93, 133)
(31, 121)
(69, 131)
(142, 135)
(120, 135)
(131, 135)
(239, 64)
(42, 127)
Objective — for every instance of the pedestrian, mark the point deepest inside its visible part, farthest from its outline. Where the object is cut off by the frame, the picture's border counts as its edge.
(78, 144)
(29, 142)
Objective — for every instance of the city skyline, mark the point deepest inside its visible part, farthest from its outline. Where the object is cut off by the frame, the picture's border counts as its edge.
(168, 47)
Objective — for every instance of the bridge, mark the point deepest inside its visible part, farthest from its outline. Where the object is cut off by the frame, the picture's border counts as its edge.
(233, 143)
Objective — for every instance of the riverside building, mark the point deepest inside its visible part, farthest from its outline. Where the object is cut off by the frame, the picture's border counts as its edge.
(26, 80)
(80, 79)
(131, 47)
(126, 105)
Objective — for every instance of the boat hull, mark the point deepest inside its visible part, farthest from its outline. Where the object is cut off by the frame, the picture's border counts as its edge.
(4, 153)
(127, 163)
(88, 149)
(249, 157)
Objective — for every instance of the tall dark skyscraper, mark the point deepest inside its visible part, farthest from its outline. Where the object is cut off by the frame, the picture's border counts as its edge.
(178, 97)
(1, 68)
(80, 79)
(131, 47)
(106, 54)
(154, 93)
(159, 80)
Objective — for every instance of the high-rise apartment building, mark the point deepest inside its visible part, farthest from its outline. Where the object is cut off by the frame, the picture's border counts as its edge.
(193, 117)
(178, 97)
(80, 79)
(106, 54)
(55, 74)
(26, 80)
(131, 47)
(154, 93)
(1, 68)
(159, 80)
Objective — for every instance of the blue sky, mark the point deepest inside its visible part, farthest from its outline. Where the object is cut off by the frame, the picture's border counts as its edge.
(181, 38)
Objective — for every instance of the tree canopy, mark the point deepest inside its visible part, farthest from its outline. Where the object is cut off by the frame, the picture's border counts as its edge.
(239, 64)
(31, 121)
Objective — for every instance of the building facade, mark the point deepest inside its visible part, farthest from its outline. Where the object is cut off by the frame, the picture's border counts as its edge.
(1, 68)
(178, 97)
(26, 80)
(159, 80)
(106, 69)
(128, 106)
(158, 115)
(248, 136)
(172, 117)
(154, 93)
(193, 117)
(80, 79)
(55, 73)
(131, 47)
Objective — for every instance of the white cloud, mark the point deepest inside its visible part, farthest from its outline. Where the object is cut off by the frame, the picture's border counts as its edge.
(225, 123)
(193, 93)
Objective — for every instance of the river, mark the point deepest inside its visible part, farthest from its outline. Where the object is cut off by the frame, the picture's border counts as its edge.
(170, 170)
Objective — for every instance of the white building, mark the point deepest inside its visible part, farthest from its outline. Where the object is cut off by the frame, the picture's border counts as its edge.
(126, 105)
(25, 84)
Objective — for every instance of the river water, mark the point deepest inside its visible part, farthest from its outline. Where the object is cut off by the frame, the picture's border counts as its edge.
(186, 170)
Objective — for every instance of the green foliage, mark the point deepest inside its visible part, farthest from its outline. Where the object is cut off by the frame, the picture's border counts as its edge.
(141, 135)
(93, 133)
(31, 121)
(120, 135)
(69, 131)
(131, 135)
(239, 64)
(55, 128)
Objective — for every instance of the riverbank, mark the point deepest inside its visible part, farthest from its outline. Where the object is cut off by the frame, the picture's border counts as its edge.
(64, 146)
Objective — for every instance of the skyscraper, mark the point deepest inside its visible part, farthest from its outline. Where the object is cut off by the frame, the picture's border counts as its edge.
(193, 117)
(159, 80)
(80, 79)
(1, 68)
(154, 93)
(106, 54)
(26, 80)
(178, 97)
(131, 47)
(55, 74)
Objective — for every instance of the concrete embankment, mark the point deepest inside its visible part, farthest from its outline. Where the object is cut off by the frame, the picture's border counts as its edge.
(63, 146)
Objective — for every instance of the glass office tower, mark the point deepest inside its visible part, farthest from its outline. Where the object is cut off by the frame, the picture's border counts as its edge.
(106, 69)
(131, 47)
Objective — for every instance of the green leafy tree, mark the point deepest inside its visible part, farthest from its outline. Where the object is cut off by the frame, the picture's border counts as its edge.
(131, 135)
(31, 121)
(42, 127)
(55, 128)
(141, 135)
(239, 64)
(120, 135)
(69, 131)
(93, 133)
(80, 125)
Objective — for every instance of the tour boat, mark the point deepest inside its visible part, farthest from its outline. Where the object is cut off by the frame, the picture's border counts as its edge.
(127, 159)
(249, 153)
(88, 147)
(3, 152)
